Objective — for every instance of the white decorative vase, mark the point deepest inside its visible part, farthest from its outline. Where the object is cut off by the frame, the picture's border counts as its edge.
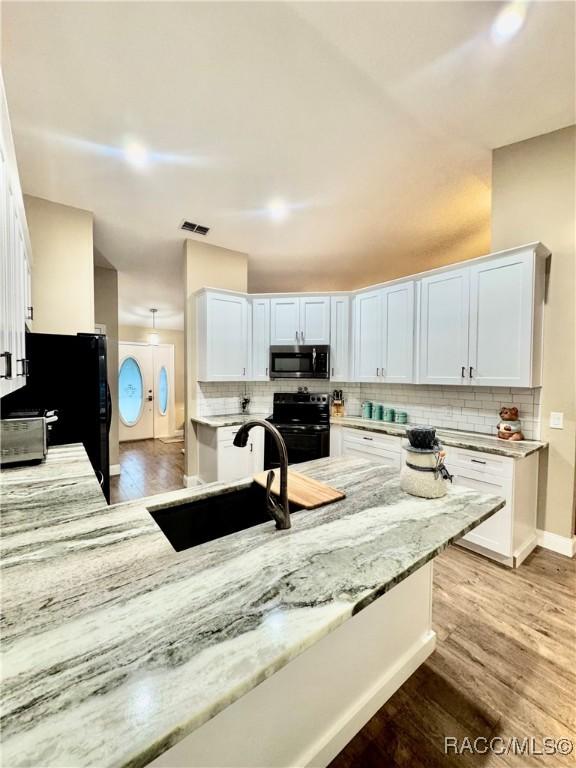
(425, 481)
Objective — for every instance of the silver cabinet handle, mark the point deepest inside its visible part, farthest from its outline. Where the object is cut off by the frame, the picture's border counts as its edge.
(471, 369)
(266, 371)
(332, 370)
(7, 365)
(302, 335)
(243, 371)
(478, 461)
(297, 339)
(368, 438)
(377, 371)
(463, 374)
(251, 448)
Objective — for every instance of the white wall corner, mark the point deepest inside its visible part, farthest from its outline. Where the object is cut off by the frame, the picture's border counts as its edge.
(114, 469)
(191, 481)
(564, 545)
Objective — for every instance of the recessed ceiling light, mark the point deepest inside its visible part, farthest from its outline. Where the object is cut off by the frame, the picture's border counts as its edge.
(278, 210)
(136, 154)
(509, 22)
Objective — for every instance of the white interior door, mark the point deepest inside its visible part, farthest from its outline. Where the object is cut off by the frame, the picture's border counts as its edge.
(135, 391)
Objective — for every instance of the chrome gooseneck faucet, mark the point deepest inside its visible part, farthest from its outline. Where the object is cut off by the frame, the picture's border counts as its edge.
(280, 511)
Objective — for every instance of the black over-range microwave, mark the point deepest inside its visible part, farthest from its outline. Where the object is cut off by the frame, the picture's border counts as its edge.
(300, 362)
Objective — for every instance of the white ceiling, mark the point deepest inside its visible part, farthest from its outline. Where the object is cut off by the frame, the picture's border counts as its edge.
(373, 120)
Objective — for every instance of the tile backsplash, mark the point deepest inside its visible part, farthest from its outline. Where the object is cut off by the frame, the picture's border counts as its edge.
(474, 409)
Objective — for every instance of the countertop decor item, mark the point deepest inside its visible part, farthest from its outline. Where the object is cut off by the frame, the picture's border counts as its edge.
(401, 417)
(367, 409)
(424, 473)
(337, 403)
(389, 414)
(377, 411)
(303, 491)
(510, 428)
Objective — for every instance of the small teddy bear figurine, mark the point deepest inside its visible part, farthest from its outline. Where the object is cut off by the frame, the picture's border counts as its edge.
(510, 428)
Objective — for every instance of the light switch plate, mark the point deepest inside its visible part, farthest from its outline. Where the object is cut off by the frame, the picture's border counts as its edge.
(556, 420)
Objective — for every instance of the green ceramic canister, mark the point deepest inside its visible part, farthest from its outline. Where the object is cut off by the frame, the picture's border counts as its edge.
(377, 411)
(388, 414)
(367, 409)
(401, 417)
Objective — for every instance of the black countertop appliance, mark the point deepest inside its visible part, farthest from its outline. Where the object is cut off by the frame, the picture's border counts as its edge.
(303, 420)
(69, 374)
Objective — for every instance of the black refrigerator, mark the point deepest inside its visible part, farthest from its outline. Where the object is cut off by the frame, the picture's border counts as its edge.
(69, 374)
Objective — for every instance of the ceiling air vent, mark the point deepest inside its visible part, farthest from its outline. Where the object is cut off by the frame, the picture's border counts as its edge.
(198, 229)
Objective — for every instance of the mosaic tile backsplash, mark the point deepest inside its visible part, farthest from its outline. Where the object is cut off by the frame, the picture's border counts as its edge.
(474, 409)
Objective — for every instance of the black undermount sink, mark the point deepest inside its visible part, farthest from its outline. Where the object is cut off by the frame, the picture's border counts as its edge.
(196, 522)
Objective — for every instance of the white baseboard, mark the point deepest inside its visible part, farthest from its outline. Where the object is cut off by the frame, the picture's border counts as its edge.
(564, 545)
(178, 433)
(114, 469)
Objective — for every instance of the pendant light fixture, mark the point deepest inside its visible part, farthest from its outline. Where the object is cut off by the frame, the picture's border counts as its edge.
(154, 338)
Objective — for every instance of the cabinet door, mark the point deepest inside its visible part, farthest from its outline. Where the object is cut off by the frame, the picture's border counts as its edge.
(260, 339)
(444, 315)
(226, 337)
(315, 320)
(285, 321)
(501, 314)
(495, 533)
(234, 463)
(398, 333)
(368, 336)
(340, 338)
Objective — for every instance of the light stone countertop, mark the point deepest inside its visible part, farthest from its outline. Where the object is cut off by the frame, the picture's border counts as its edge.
(473, 441)
(115, 646)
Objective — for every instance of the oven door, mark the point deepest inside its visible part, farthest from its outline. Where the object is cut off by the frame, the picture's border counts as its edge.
(298, 362)
(303, 443)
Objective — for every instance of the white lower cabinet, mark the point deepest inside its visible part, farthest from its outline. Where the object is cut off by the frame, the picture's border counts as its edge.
(219, 460)
(509, 535)
(371, 445)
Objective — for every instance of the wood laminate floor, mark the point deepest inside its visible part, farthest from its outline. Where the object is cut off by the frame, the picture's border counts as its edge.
(147, 467)
(505, 666)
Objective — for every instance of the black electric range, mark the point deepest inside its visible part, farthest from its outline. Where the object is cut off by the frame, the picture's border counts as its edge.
(303, 420)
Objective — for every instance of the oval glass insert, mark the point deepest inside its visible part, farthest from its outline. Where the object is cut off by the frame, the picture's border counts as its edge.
(163, 391)
(130, 391)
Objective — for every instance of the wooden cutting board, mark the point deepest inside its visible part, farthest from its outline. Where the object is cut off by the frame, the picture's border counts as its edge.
(302, 490)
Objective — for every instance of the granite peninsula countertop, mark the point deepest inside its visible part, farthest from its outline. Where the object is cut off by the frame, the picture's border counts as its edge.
(231, 420)
(115, 646)
(473, 441)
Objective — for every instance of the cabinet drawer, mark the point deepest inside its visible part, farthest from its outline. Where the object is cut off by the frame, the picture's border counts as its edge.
(227, 434)
(374, 453)
(485, 463)
(375, 438)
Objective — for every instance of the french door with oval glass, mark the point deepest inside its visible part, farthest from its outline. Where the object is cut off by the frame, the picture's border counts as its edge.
(145, 390)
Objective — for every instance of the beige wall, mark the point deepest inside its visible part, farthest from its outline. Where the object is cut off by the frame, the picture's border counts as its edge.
(533, 198)
(106, 313)
(204, 266)
(136, 333)
(63, 266)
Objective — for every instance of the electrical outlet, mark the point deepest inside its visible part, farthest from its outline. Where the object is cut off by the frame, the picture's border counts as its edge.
(556, 420)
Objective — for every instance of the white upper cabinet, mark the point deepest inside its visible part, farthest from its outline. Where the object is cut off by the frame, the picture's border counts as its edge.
(222, 337)
(340, 338)
(398, 333)
(15, 264)
(482, 324)
(315, 320)
(285, 321)
(501, 322)
(260, 340)
(300, 320)
(368, 336)
(444, 321)
(384, 334)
